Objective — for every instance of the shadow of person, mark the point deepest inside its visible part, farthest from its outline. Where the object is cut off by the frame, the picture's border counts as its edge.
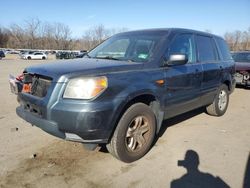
(246, 182)
(194, 178)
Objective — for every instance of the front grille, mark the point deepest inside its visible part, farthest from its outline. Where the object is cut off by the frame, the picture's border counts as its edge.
(39, 84)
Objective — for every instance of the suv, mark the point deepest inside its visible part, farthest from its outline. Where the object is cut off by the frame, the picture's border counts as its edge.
(121, 91)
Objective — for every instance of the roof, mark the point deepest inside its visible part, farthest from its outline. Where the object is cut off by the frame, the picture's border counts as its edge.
(167, 30)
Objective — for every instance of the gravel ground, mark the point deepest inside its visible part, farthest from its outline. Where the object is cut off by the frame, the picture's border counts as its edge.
(215, 150)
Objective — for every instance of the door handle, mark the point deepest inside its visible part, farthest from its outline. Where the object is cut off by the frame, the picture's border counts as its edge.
(221, 68)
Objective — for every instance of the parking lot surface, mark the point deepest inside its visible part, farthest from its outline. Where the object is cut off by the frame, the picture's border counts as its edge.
(192, 149)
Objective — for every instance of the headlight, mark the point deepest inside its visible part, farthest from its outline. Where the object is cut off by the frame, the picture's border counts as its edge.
(85, 88)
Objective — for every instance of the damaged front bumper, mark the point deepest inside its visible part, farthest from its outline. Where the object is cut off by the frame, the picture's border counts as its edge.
(82, 121)
(70, 120)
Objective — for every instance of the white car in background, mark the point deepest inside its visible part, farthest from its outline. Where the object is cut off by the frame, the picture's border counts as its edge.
(35, 55)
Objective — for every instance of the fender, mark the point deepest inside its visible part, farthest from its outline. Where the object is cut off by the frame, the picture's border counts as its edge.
(143, 96)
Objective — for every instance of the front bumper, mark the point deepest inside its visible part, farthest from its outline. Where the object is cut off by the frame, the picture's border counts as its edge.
(74, 120)
(48, 126)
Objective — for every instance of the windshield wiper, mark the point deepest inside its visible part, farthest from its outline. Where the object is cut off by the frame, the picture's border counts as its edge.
(112, 58)
(107, 57)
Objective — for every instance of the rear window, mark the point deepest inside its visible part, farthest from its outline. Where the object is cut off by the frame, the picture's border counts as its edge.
(224, 50)
(206, 48)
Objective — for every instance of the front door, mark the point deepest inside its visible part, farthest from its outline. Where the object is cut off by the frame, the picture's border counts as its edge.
(183, 82)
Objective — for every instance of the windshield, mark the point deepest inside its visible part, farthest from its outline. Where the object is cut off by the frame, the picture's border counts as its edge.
(139, 48)
(241, 57)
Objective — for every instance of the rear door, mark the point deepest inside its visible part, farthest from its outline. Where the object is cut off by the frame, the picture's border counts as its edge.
(183, 82)
(212, 68)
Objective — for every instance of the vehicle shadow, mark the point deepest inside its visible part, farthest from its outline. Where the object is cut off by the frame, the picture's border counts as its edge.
(177, 119)
(194, 177)
(246, 182)
(166, 124)
(242, 87)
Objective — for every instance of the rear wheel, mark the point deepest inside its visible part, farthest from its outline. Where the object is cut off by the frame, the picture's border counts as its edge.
(29, 58)
(134, 134)
(43, 57)
(220, 103)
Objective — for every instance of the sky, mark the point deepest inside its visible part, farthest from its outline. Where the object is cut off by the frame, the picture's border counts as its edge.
(217, 16)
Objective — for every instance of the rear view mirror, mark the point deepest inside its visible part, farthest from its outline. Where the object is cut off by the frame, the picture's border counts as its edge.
(176, 59)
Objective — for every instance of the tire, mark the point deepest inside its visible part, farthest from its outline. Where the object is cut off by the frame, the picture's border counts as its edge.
(134, 133)
(43, 58)
(220, 103)
(29, 58)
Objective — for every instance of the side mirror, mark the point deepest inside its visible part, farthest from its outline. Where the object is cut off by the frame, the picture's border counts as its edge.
(176, 59)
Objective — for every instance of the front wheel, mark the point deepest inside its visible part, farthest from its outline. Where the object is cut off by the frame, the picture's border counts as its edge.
(220, 103)
(134, 133)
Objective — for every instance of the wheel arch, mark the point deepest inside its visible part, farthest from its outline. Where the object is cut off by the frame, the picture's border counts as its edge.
(229, 81)
(230, 85)
(147, 98)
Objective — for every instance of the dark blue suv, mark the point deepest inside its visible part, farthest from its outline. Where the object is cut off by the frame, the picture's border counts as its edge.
(121, 91)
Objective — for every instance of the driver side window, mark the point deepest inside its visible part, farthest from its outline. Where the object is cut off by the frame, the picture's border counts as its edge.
(183, 44)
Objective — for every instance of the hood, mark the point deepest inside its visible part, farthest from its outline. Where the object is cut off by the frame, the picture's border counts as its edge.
(242, 66)
(83, 66)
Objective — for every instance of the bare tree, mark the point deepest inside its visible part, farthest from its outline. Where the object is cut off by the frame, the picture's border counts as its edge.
(18, 38)
(48, 41)
(34, 34)
(248, 39)
(4, 37)
(238, 40)
(245, 40)
(62, 35)
(94, 36)
(97, 34)
(32, 27)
